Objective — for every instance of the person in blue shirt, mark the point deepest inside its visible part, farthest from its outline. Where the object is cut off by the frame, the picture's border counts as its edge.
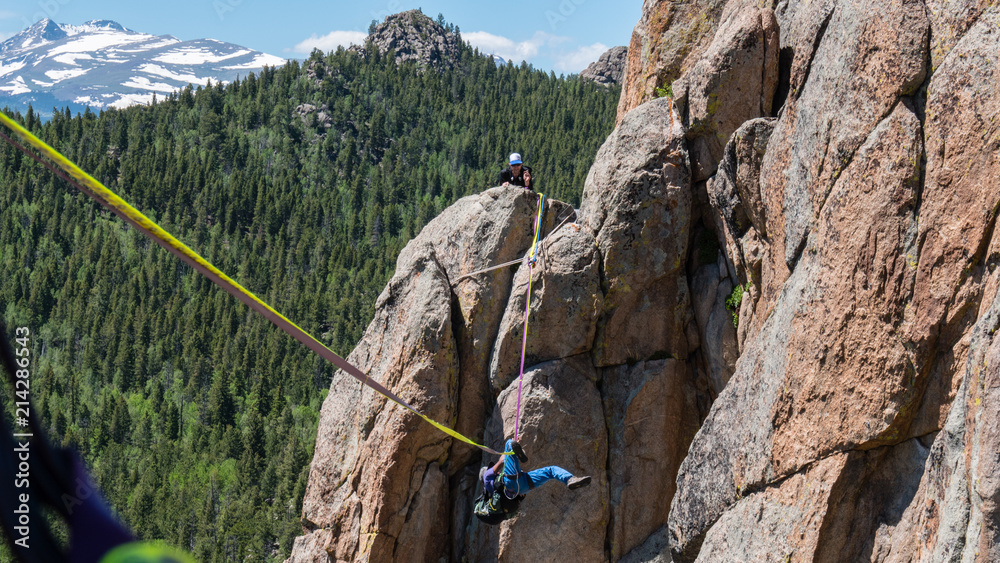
(517, 482)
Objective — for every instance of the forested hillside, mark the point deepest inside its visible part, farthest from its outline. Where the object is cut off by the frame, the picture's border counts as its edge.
(196, 417)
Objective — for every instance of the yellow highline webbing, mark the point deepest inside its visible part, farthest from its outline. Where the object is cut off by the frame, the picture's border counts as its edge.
(538, 227)
(95, 189)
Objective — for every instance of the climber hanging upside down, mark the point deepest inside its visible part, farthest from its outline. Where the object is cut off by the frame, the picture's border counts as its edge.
(503, 492)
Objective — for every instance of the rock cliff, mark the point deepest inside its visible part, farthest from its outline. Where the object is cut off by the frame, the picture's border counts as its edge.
(609, 69)
(769, 334)
(413, 36)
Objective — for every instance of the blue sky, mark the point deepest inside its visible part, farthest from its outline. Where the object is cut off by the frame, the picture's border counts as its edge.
(559, 35)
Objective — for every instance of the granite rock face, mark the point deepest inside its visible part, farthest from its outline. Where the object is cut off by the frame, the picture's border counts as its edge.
(711, 285)
(609, 69)
(566, 298)
(577, 412)
(478, 231)
(376, 473)
(851, 414)
(562, 424)
(637, 201)
(816, 138)
(651, 411)
(827, 372)
(733, 81)
(738, 218)
(668, 39)
(865, 296)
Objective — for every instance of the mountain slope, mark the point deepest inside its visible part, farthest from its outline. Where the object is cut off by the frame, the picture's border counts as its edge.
(102, 64)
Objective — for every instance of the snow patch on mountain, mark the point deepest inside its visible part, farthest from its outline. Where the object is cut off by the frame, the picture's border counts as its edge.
(157, 70)
(16, 86)
(126, 100)
(196, 56)
(59, 75)
(7, 67)
(143, 83)
(70, 58)
(260, 60)
(99, 41)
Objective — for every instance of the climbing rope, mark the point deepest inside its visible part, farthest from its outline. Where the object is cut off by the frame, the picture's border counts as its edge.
(75, 176)
(532, 258)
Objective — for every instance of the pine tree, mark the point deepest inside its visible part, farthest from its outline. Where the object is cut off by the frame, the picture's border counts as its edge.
(221, 407)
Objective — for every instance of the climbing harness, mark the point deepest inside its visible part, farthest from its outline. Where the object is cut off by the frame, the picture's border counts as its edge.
(72, 174)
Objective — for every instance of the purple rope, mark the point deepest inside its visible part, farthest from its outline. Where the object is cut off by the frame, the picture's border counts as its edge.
(524, 344)
(527, 305)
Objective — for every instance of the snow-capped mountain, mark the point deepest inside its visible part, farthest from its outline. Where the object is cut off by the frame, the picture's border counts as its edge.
(102, 64)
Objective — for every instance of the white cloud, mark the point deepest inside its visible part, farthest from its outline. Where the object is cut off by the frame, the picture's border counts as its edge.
(514, 51)
(330, 41)
(577, 60)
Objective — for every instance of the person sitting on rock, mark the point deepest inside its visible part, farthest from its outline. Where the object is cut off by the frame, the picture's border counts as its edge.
(517, 174)
(516, 483)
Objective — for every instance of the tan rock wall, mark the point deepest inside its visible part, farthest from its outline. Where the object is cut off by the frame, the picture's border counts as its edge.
(873, 278)
(651, 412)
(668, 36)
(859, 421)
(376, 471)
(637, 203)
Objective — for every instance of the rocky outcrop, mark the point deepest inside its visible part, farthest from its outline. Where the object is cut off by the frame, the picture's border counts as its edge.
(737, 215)
(652, 414)
(954, 513)
(566, 297)
(609, 69)
(788, 405)
(377, 470)
(322, 117)
(582, 406)
(832, 162)
(733, 81)
(816, 139)
(412, 36)
(425, 344)
(954, 510)
(637, 202)
(864, 313)
(711, 287)
(668, 39)
(477, 232)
